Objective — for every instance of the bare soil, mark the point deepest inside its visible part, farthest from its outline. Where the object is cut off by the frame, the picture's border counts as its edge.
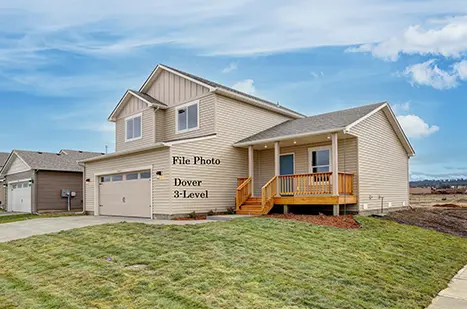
(442, 219)
(190, 218)
(346, 221)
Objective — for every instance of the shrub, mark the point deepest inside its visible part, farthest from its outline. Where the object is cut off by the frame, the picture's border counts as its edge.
(231, 210)
(192, 215)
(211, 213)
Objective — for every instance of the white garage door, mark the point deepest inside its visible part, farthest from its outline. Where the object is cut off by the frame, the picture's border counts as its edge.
(19, 197)
(125, 194)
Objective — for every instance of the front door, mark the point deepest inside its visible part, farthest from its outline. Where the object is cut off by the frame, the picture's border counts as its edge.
(287, 167)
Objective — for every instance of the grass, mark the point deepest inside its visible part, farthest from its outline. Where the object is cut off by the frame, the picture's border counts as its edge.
(23, 217)
(245, 263)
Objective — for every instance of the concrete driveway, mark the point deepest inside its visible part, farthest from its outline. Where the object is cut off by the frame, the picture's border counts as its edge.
(24, 229)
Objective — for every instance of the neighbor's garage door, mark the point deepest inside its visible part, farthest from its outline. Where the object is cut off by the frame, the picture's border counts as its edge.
(19, 197)
(125, 194)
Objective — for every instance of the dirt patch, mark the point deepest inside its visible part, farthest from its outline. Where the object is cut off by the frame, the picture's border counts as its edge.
(345, 222)
(447, 220)
(448, 205)
(190, 218)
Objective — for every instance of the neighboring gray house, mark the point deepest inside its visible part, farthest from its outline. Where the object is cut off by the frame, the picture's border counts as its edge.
(186, 144)
(34, 180)
(3, 158)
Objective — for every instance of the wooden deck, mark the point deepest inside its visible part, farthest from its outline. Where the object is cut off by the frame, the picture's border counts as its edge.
(301, 189)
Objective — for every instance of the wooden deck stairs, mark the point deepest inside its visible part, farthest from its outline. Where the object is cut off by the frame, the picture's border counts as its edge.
(252, 206)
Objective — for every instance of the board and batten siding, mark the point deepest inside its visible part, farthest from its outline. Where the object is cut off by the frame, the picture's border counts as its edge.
(172, 89)
(264, 161)
(157, 158)
(383, 164)
(49, 185)
(147, 130)
(207, 110)
(234, 121)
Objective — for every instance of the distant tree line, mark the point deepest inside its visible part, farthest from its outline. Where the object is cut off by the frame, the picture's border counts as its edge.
(440, 184)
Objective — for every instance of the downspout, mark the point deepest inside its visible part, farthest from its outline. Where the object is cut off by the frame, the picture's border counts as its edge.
(84, 188)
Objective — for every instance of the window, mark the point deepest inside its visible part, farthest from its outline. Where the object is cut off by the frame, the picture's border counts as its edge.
(145, 175)
(105, 179)
(133, 128)
(187, 117)
(117, 178)
(320, 159)
(133, 176)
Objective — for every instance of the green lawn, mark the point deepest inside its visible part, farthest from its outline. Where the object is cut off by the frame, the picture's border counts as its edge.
(246, 263)
(22, 217)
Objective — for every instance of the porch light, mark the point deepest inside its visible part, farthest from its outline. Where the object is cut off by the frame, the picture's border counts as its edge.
(294, 142)
(329, 137)
(265, 146)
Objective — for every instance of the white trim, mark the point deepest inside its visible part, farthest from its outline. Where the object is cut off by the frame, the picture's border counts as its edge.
(147, 102)
(124, 152)
(318, 148)
(185, 106)
(184, 141)
(350, 126)
(409, 147)
(163, 67)
(140, 115)
(286, 137)
(288, 154)
(124, 171)
(16, 181)
(7, 165)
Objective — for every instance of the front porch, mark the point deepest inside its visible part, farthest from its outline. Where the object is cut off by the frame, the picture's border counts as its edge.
(328, 181)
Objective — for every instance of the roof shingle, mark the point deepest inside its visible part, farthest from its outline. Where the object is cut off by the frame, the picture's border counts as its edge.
(3, 158)
(65, 160)
(318, 123)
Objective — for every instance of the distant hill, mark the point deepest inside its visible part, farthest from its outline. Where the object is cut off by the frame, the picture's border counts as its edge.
(444, 183)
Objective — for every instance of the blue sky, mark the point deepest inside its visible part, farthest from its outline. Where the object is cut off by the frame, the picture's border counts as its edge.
(64, 67)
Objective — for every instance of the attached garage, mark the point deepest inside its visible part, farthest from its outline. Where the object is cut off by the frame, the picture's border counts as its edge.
(126, 194)
(20, 196)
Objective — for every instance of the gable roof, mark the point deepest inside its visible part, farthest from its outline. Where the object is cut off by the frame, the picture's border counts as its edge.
(3, 158)
(333, 121)
(342, 120)
(64, 161)
(221, 89)
(146, 98)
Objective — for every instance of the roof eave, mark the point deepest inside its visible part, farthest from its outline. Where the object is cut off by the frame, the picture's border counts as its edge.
(286, 137)
(264, 105)
(122, 153)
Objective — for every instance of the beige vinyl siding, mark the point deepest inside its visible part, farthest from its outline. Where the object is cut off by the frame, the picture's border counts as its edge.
(158, 159)
(172, 89)
(383, 163)
(148, 131)
(160, 126)
(207, 110)
(264, 164)
(234, 121)
(16, 166)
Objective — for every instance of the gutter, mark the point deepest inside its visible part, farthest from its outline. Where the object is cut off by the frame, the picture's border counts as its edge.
(125, 152)
(287, 137)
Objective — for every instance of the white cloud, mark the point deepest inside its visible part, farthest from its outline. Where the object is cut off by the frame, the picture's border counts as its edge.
(416, 127)
(317, 74)
(428, 74)
(400, 108)
(244, 27)
(461, 69)
(231, 67)
(246, 86)
(447, 38)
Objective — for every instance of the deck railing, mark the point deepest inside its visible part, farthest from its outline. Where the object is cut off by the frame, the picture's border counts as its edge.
(268, 192)
(314, 183)
(243, 193)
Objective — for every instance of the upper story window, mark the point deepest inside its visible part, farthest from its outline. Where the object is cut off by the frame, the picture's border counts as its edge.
(133, 128)
(187, 117)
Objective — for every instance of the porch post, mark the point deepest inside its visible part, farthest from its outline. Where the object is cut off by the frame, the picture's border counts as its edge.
(335, 170)
(277, 168)
(251, 168)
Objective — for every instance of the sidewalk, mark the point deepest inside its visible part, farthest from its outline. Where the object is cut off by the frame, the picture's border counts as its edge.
(455, 295)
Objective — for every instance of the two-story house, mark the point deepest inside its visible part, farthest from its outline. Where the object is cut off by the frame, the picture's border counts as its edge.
(186, 144)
